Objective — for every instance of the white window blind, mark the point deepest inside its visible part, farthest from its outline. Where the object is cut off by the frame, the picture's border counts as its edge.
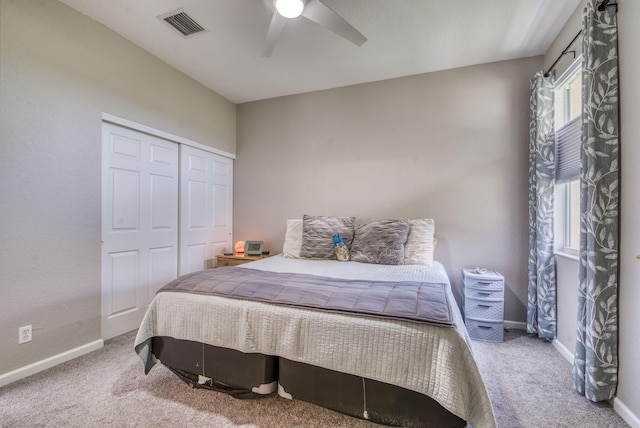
(568, 140)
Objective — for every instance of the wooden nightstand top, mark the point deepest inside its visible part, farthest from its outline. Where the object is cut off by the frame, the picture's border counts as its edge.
(237, 259)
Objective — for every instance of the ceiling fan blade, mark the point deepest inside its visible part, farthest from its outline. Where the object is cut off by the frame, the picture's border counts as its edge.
(322, 14)
(275, 28)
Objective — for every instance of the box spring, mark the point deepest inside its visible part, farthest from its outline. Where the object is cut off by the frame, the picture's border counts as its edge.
(233, 372)
(238, 373)
(363, 398)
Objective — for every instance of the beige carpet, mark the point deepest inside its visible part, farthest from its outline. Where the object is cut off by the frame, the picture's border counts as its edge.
(531, 385)
(528, 381)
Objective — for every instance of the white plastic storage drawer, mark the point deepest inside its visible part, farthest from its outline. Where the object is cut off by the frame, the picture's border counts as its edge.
(491, 331)
(484, 283)
(484, 293)
(485, 309)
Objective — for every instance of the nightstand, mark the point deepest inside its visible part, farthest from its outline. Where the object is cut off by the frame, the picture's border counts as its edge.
(483, 304)
(237, 259)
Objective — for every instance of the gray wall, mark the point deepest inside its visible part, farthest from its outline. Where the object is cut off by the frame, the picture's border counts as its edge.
(450, 145)
(629, 297)
(60, 72)
(627, 401)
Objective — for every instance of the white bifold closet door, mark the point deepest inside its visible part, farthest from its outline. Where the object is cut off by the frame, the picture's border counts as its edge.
(139, 224)
(206, 208)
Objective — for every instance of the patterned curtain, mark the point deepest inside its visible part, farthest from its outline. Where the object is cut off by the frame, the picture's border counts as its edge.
(595, 368)
(541, 310)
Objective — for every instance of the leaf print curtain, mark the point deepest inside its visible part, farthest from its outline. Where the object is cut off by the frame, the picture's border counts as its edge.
(541, 306)
(595, 368)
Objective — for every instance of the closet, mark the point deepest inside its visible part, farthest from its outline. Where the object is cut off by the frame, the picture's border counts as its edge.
(166, 211)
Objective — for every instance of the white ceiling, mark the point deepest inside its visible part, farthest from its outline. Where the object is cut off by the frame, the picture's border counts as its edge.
(405, 37)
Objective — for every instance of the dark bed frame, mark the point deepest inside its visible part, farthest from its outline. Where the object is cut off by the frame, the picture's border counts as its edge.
(236, 373)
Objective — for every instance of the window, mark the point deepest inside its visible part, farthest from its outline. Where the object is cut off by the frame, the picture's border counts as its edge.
(568, 96)
(572, 235)
(568, 109)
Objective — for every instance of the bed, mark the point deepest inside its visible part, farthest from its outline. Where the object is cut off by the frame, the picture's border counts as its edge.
(391, 370)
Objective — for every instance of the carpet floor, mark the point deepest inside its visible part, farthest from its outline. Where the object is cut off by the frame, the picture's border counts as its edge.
(531, 385)
(528, 381)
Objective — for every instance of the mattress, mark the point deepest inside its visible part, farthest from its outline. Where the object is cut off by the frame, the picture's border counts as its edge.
(431, 360)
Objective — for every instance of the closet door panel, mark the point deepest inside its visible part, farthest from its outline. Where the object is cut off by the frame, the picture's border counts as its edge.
(206, 205)
(139, 224)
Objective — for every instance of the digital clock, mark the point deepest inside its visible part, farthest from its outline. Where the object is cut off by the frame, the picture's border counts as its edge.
(253, 248)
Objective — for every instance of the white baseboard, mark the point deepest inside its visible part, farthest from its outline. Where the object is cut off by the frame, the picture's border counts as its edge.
(47, 363)
(516, 325)
(564, 351)
(625, 413)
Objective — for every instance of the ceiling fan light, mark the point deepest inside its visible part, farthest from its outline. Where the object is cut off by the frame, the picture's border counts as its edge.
(289, 8)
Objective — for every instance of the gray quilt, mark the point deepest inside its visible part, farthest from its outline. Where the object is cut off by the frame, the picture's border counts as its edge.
(407, 300)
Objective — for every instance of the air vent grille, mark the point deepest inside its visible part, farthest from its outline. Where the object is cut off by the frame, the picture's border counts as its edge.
(183, 23)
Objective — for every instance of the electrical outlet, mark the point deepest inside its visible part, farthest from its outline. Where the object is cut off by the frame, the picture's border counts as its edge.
(24, 334)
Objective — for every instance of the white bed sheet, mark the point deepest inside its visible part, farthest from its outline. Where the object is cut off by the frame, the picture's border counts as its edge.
(433, 360)
(352, 270)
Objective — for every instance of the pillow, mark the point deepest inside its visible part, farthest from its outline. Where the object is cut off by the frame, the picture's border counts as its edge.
(420, 244)
(317, 235)
(380, 242)
(293, 239)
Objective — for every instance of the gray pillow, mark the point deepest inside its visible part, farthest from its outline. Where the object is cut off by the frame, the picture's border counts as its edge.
(381, 242)
(317, 235)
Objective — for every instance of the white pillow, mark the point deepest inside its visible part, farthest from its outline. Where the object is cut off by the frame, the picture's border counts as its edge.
(420, 244)
(293, 239)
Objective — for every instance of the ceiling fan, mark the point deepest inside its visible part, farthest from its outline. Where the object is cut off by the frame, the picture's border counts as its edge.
(313, 10)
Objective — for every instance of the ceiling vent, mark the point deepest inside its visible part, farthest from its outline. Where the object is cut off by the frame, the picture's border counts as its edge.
(182, 22)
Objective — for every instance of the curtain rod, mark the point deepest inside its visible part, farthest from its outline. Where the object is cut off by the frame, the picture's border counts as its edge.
(601, 7)
(564, 52)
(605, 4)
